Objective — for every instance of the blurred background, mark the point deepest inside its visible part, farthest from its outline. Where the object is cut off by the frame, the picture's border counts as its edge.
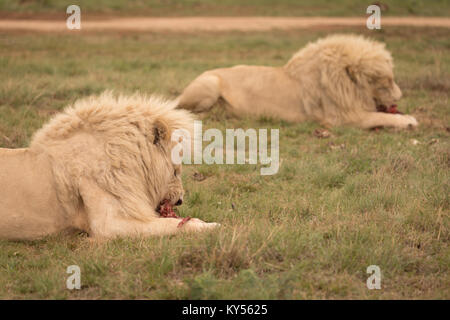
(229, 7)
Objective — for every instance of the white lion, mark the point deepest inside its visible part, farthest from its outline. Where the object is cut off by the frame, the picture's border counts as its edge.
(102, 166)
(338, 80)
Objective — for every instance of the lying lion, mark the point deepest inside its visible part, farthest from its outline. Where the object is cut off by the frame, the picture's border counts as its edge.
(102, 166)
(338, 80)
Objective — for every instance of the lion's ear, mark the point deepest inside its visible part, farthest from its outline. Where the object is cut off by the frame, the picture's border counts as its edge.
(351, 73)
(160, 132)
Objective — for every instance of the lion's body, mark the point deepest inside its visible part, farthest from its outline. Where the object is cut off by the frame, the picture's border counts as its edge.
(28, 200)
(256, 87)
(101, 166)
(334, 81)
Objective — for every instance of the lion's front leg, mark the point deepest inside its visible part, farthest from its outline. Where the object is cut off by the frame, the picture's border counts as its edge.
(106, 220)
(167, 226)
(380, 119)
(119, 226)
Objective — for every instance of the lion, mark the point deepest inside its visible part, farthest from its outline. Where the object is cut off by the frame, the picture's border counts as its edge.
(337, 80)
(103, 166)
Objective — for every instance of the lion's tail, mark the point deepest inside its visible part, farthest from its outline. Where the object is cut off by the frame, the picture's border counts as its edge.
(200, 94)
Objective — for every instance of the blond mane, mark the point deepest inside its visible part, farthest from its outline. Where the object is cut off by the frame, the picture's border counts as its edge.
(113, 140)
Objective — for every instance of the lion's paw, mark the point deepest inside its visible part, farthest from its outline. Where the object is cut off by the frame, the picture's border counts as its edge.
(408, 121)
(199, 225)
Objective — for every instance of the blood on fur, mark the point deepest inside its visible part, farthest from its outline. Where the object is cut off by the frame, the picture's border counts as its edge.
(166, 211)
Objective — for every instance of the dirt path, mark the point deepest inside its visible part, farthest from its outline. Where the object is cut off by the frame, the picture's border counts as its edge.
(217, 24)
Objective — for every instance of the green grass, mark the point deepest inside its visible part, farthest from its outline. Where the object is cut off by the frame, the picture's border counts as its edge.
(230, 7)
(309, 231)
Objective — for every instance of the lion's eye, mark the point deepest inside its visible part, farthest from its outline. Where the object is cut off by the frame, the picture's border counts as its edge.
(175, 173)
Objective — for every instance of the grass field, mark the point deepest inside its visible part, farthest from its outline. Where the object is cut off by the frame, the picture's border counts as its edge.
(229, 7)
(309, 231)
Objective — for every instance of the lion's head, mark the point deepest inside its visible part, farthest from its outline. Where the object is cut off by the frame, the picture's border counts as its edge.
(351, 72)
(385, 91)
(170, 187)
(370, 68)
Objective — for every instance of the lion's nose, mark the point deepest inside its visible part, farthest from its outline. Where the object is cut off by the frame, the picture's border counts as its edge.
(179, 202)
